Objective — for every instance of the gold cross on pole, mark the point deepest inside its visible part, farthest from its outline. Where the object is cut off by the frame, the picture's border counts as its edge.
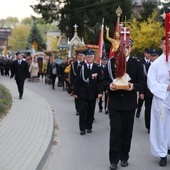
(126, 24)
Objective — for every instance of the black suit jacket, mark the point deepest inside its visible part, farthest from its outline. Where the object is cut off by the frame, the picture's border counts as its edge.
(146, 91)
(122, 99)
(102, 69)
(90, 90)
(20, 71)
(73, 72)
(51, 68)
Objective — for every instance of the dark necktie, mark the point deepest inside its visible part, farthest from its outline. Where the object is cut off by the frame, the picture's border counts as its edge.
(89, 70)
(147, 65)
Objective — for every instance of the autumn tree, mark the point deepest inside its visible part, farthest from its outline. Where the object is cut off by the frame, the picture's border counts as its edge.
(146, 34)
(19, 37)
(9, 22)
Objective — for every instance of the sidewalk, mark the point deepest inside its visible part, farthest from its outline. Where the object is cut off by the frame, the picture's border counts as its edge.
(26, 133)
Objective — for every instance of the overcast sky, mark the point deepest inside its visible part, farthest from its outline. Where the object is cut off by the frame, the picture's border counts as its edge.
(16, 8)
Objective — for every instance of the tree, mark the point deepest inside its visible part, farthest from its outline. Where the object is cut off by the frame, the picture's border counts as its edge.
(145, 34)
(147, 9)
(26, 21)
(87, 14)
(18, 39)
(9, 22)
(48, 9)
(35, 37)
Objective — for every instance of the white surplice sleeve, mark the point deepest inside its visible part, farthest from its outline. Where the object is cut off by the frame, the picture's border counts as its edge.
(157, 79)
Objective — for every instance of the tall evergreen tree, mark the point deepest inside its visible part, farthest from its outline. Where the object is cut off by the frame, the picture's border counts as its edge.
(35, 36)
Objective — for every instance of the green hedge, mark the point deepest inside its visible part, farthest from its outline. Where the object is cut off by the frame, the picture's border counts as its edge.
(5, 100)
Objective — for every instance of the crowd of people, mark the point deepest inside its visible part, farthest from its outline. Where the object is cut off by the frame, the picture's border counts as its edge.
(88, 81)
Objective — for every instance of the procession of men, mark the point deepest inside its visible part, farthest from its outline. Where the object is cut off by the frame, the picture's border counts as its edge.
(114, 84)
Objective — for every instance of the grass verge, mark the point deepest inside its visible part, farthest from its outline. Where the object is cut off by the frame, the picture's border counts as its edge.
(5, 101)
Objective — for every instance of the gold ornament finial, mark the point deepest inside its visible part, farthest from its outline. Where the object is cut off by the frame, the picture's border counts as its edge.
(118, 11)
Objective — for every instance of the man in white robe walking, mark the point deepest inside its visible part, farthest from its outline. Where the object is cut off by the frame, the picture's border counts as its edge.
(158, 81)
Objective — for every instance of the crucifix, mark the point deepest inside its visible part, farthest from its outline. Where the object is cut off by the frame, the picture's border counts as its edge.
(75, 27)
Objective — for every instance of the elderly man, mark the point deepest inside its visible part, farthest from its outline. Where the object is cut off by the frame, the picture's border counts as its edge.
(87, 87)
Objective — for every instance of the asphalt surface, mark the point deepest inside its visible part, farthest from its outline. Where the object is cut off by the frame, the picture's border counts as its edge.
(72, 151)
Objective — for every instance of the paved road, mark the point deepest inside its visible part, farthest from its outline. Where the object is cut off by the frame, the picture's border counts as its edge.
(89, 152)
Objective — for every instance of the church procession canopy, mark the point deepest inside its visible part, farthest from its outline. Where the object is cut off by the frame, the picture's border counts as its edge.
(62, 46)
(75, 42)
(66, 47)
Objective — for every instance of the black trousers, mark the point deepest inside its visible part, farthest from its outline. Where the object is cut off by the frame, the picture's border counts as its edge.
(77, 105)
(100, 103)
(140, 103)
(20, 85)
(87, 108)
(148, 103)
(53, 77)
(40, 74)
(121, 124)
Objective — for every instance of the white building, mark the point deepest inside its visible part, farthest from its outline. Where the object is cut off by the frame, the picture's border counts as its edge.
(51, 37)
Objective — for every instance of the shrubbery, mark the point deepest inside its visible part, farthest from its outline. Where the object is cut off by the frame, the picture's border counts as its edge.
(5, 101)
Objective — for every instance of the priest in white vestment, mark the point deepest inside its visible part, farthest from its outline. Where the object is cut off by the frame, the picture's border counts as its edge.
(158, 82)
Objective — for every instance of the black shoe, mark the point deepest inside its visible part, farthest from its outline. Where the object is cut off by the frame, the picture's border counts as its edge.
(113, 166)
(89, 131)
(124, 163)
(169, 151)
(20, 97)
(163, 161)
(77, 113)
(138, 114)
(82, 132)
(107, 112)
(100, 110)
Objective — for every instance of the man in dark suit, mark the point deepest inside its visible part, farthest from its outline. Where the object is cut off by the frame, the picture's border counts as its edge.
(61, 69)
(145, 61)
(87, 87)
(73, 73)
(53, 67)
(21, 72)
(122, 105)
(147, 93)
(102, 67)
